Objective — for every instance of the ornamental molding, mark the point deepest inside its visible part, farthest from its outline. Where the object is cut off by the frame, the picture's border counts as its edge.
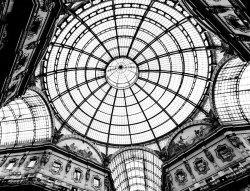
(92, 182)
(56, 171)
(201, 165)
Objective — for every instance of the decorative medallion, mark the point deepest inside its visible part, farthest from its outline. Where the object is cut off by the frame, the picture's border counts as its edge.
(225, 153)
(201, 166)
(56, 167)
(180, 177)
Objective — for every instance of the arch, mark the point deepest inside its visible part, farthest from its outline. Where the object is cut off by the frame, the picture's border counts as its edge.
(187, 136)
(26, 120)
(82, 147)
(230, 90)
(136, 168)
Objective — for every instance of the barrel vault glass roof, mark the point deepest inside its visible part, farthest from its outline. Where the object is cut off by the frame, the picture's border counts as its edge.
(124, 72)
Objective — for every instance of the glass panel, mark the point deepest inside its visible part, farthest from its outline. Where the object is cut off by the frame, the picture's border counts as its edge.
(10, 165)
(77, 175)
(31, 163)
(96, 182)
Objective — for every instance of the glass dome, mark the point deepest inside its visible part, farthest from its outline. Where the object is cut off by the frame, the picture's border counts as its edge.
(124, 72)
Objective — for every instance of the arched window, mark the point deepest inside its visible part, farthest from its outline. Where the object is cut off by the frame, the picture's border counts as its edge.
(231, 93)
(26, 119)
(136, 168)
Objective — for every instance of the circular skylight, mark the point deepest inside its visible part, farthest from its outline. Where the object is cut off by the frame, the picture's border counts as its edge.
(124, 72)
(121, 73)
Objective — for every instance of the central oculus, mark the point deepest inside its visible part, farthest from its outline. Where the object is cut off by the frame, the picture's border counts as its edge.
(122, 73)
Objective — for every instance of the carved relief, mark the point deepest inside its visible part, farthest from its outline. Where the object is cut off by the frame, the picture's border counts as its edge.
(201, 166)
(218, 9)
(169, 181)
(225, 153)
(83, 148)
(56, 167)
(22, 159)
(32, 45)
(68, 166)
(237, 143)
(187, 166)
(106, 160)
(35, 26)
(3, 160)
(247, 140)
(3, 37)
(180, 177)
(57, 136)
(22, 59)
(17, 174)
(45, 158)
(210, 157)
(211, 118)
(46, 5)
(187, 138)
(236, 23)
(12, 86)
(87, 175)
(106, 182)
(83, 152)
